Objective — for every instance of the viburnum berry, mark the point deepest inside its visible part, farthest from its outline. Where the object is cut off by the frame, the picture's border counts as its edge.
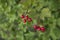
(42, 29)
(22, 16)
(29, 19)
(35, 27)
(26, 17)
(38, 28)
(24, 20)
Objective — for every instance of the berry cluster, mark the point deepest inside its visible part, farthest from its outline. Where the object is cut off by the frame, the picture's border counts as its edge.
(36, 27)
(39, 28)
(26, 18)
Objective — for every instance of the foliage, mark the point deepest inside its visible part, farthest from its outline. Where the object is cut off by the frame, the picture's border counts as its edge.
(43, 12)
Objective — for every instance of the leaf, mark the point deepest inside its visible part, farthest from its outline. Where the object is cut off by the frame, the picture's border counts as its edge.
(58, 21)
(45, 13)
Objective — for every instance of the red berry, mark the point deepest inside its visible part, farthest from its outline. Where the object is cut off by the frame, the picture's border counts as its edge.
(24, 20)
(38, 28)
(29, 19)
(22, 16)
(42, 29)
(35, 27)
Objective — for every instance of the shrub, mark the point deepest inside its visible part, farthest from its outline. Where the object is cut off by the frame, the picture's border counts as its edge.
(43, 13)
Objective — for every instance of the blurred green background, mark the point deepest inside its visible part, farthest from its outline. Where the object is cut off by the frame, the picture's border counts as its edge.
(43, 12)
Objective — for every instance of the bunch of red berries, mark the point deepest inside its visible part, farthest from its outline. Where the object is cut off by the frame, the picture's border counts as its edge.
(36, 27)
(26, 18)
